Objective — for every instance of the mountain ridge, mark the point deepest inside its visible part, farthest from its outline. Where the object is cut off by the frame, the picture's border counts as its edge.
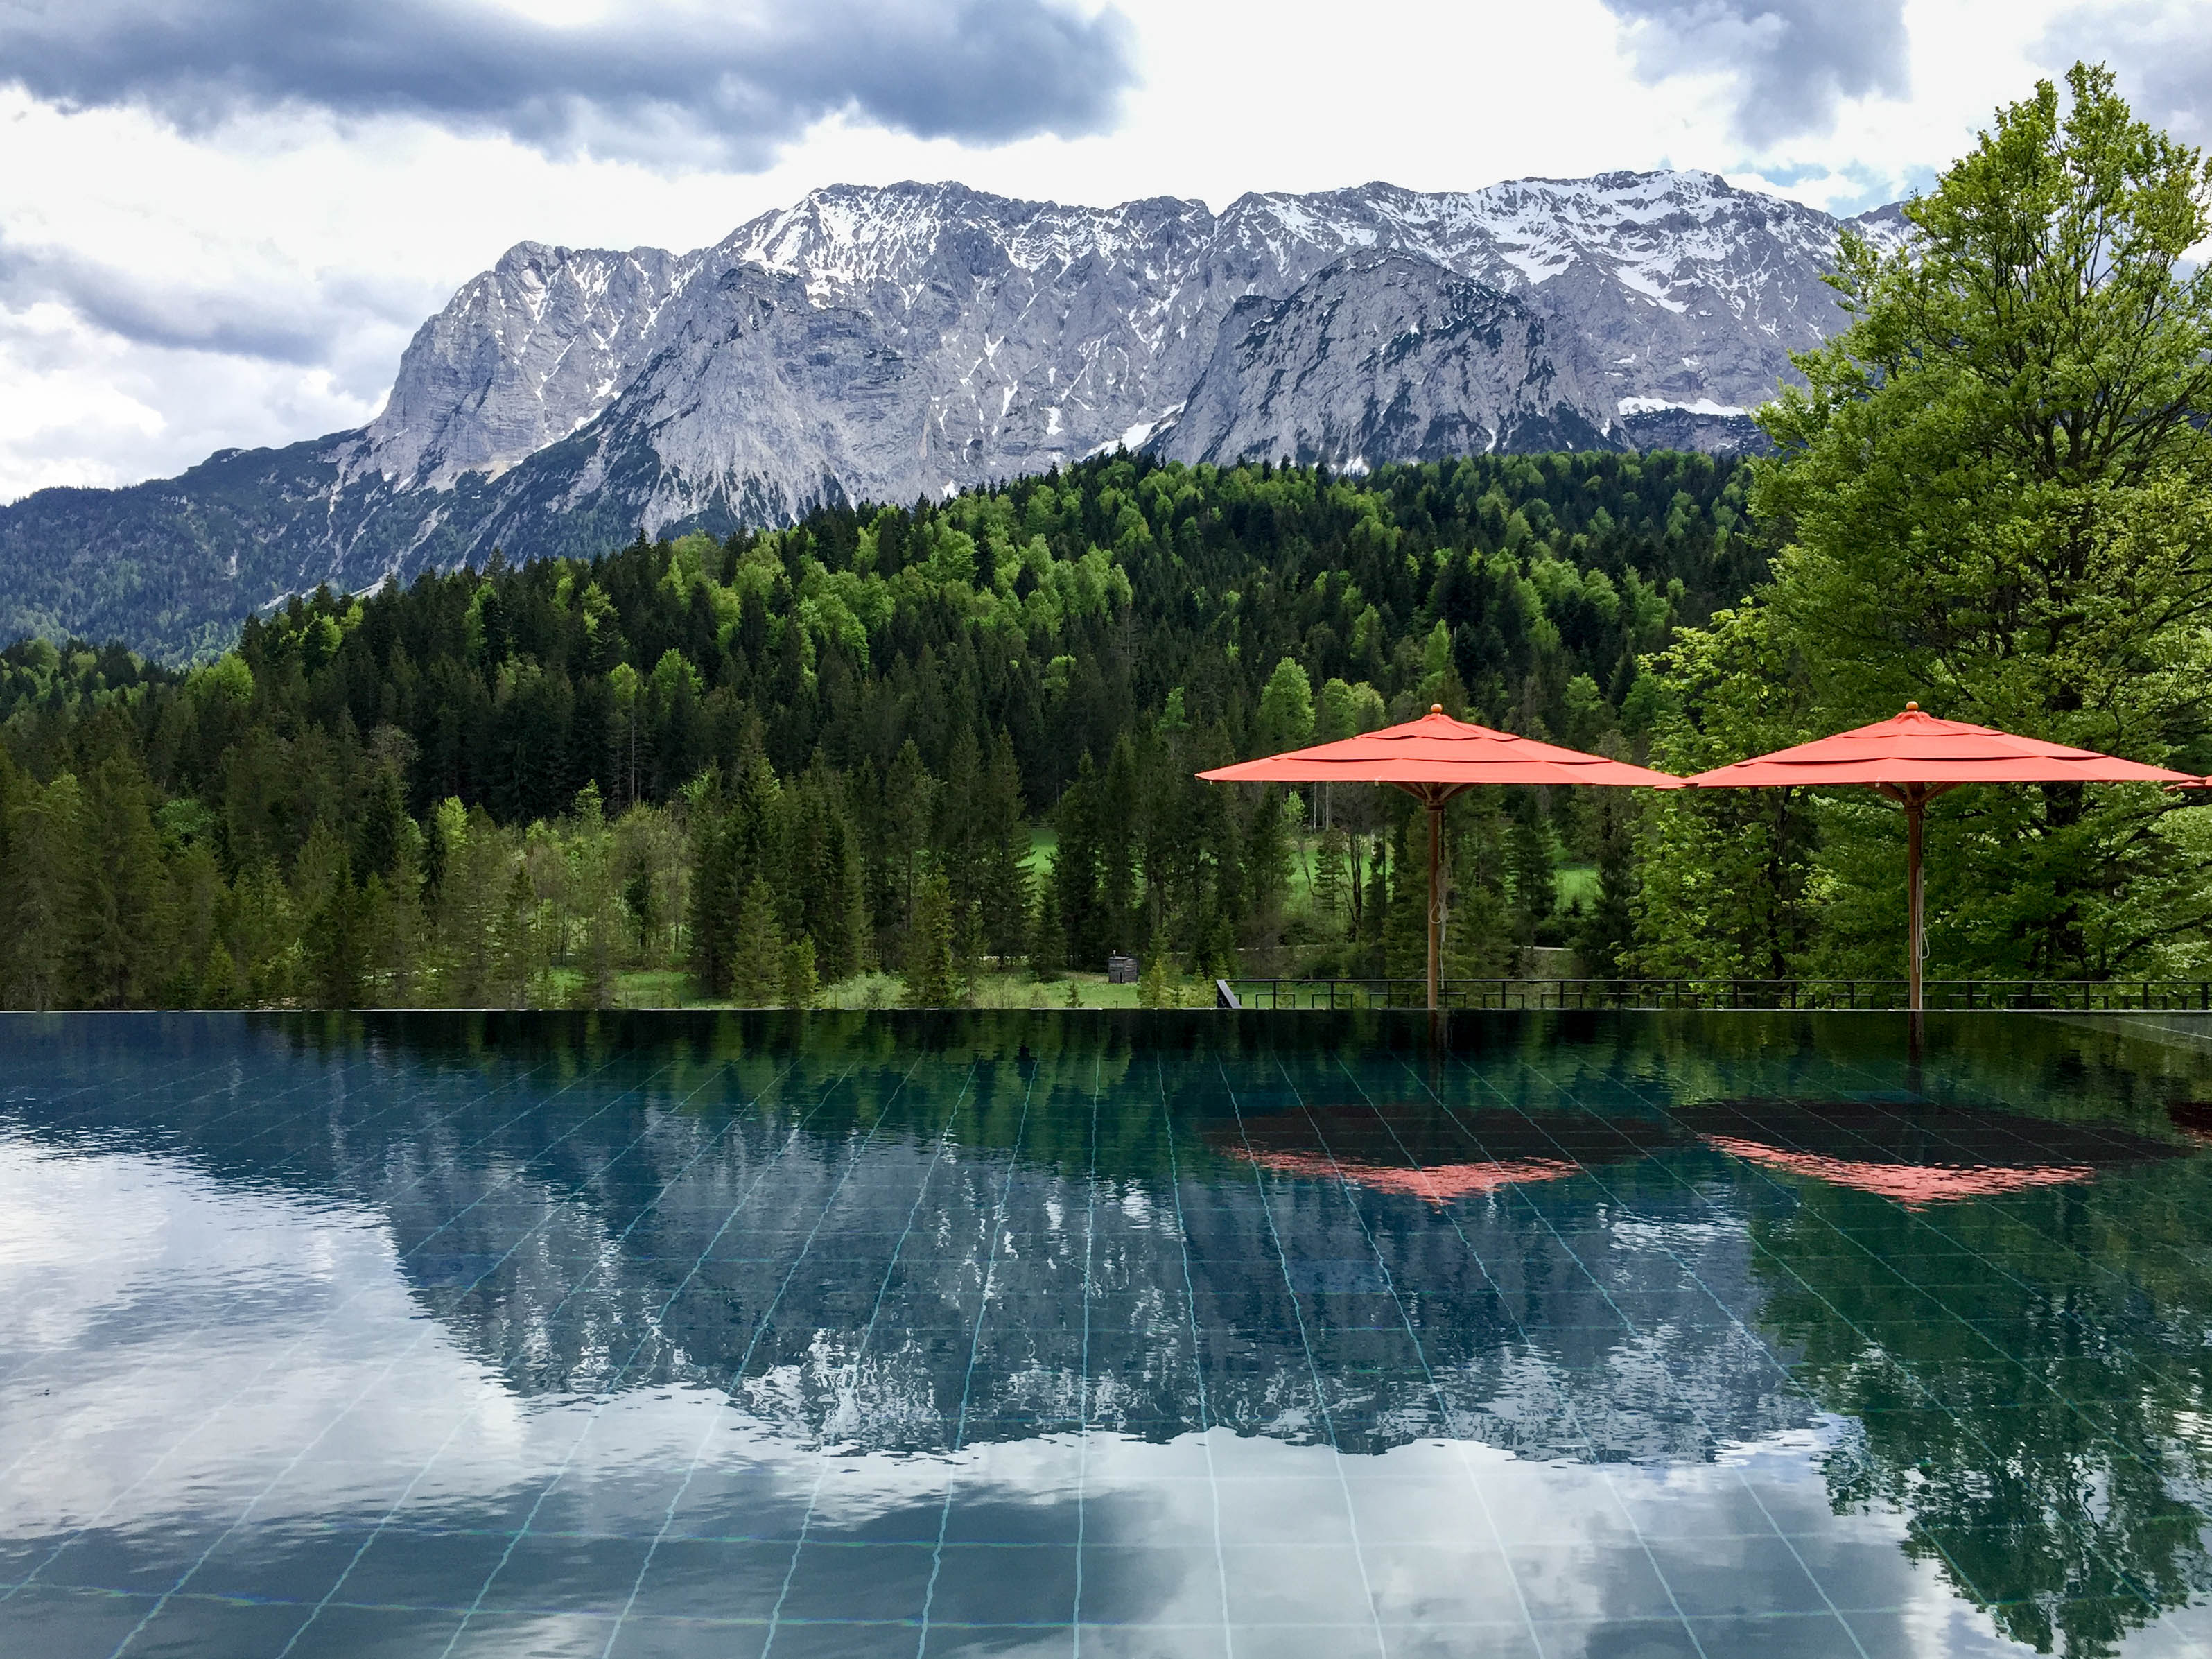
(885, 343)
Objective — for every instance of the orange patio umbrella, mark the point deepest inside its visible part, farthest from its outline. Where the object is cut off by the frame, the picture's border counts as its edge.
(1912, 758)
(1432, 759)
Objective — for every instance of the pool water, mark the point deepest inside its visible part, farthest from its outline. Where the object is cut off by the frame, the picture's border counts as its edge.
(1104, 1334)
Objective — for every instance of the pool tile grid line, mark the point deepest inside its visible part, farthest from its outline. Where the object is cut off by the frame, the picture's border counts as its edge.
(712, 1142)
(1792, 1382)
(1743, 1479)
(1313, 1366)
(859, 1353)
(1945, 1314)
(975, 1353)
(256, 1102)
(425, 1333)
(330, 1317)
(609, 1390)
(100, 1088)
(324, 1082)
(761, 1325)
(1444, 1406)
(1197, 1356)
(1083, 1381)
(1927, 1220)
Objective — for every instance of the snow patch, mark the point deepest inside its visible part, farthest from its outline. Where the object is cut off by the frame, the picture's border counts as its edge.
(1653, 405)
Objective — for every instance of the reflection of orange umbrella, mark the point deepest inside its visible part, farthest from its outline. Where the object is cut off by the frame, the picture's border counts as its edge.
(1414, 1150)
(1432, 759)
(1918, 1155)
(2193, 1118)
(1912, 758)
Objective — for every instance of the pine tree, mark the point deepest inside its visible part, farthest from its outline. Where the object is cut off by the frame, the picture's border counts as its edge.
(1406, 926)
(757, 958)
(336, 931)
(1607, 932)
(515, 966)
(717, 890)
(40, 893)
(929, 981)
(1267, 853)
(1047, 938)
(384, 820)
(122, 912)
(592, 888)
(801, 986)
(1005, 855)
(1534, 878)
(1330, 877)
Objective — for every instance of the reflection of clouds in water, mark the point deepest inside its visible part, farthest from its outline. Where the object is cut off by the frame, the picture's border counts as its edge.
(215, 1332)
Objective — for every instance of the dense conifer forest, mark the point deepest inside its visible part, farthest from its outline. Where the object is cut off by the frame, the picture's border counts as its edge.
(925, 754)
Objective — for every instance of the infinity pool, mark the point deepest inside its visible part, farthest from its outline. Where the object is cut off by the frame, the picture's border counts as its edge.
(1168, 1334)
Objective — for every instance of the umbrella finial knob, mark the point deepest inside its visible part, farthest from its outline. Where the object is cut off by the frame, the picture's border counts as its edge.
(1436, 708)
(1911, 707)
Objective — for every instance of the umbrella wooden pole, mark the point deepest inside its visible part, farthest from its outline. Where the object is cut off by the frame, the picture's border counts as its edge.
(1436, 896)
(1915, 929)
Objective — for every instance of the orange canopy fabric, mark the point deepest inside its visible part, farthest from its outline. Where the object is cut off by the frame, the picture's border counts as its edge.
(1917, 748)
(1437, 749)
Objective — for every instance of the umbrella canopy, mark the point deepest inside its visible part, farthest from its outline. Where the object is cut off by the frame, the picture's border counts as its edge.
(1913, 757)
(1432, 759)
(1438, 751)
(1914, 748)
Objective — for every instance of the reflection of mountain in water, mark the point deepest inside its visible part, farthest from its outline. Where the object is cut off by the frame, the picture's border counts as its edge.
(1493, 1321)
(813, 1235)
(1171, 1241)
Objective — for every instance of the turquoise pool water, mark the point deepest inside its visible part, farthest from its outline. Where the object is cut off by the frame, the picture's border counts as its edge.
(1097, 1334)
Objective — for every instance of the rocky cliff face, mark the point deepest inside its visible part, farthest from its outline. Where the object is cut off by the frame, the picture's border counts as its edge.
(884, 343)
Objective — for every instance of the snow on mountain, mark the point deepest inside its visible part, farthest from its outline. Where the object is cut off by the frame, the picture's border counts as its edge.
(1018, 334)
(886, 342)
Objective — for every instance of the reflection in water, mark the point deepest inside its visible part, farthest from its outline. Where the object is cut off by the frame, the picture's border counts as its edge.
(1026, 1334)
(1418, 1149)
(1919, 1154)
(2193, 1118)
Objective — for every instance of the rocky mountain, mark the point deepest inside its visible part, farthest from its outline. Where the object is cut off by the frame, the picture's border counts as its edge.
(886, 344)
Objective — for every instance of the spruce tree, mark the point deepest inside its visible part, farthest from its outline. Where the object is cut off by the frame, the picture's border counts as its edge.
(120, 934)
(929, 969)
(756, 957)
(1005, 853)
(801, 985)
(40, 894)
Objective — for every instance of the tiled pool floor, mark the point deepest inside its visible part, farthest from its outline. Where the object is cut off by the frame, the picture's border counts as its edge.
(1050, 1335)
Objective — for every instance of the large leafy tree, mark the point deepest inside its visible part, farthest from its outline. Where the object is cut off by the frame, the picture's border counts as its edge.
(1993, 495)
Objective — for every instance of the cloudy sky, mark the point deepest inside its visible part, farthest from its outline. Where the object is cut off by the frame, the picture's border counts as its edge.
(221, 220)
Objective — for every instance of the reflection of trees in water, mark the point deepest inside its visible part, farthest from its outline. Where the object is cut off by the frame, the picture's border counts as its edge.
(2036, 1411)
(2071, 1526)
(622, 1183)
(1518, 1341)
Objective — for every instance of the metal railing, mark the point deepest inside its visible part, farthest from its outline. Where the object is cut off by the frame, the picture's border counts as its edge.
(2073, 996)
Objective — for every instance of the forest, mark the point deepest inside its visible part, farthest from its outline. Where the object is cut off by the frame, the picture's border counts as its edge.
(944, 753)
(900, 750)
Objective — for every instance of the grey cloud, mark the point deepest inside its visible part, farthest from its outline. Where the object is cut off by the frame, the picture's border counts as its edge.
(301, 325)
(1792, 60)
(2162, 54)
(715, 88)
